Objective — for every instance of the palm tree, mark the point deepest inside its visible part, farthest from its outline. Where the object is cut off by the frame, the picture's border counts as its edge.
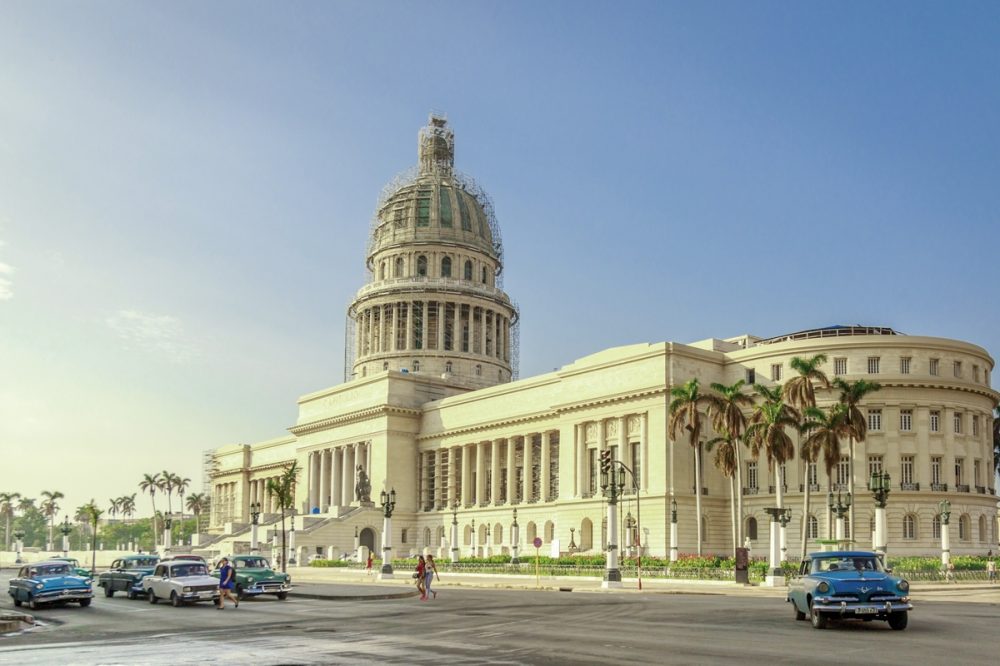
(725, 406)
(128, 505)
(151, 483)
(196, 504)
(82, 519)
(768, 432)
(114, 506)
(93, 514)
(7, 509)
(282, 489)
(685, 415)
(855, 423)
(726, 461)
(800, 390)
(181, 485)
(823, 430)
(167, 486)
(50, 507)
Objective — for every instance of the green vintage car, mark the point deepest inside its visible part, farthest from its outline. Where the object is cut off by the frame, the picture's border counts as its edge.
(126, 574)
(75, 565)
(254, 576)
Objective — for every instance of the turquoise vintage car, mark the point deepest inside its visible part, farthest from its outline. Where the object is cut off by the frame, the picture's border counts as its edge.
(126, 574)
(254, 576)
(51, 581)
(839, 585)
(75, 564)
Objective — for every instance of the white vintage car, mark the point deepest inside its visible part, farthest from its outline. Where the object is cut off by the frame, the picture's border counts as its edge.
(181, 581)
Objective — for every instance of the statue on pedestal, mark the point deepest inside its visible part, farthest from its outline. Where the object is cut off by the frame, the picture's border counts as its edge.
(363, 489)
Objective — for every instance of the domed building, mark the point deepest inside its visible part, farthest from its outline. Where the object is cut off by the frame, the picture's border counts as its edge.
(433, 409)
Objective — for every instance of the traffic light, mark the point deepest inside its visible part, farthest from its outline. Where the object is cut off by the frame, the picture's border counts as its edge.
(605, 461)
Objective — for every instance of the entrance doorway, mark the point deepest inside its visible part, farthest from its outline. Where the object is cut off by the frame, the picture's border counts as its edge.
(367, 538)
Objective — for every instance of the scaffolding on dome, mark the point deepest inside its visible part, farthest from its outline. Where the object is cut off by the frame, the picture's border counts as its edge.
(515, 342)
(349, 344)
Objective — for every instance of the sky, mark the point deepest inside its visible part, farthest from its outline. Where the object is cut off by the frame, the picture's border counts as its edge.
(186, 189)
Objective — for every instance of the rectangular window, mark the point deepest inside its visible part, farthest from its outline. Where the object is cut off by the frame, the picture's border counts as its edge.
(958, 368)
(843, 470)
(636, 462)
(812, 474)
(936, 469)
(873, 363)
(874, 465)
(751, 376)
(933, 367)
(959, 465)
(957, 420)
(445, 204)
(875, 420)
(906, 420)
(423, 208)
(840, 366)
(904, 365)
(975, 373)
(776, 372)
(935, 421)
(752, 475)
(906, 464)
(976, 465)
(975, 425)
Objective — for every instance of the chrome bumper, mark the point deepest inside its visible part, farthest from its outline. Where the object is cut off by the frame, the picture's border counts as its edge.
(270, 589)
(63, 595)
(862, 608)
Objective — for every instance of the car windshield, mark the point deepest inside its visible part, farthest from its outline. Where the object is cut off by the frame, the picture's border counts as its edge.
(50, 570)
(145, 562)
(252, 563)
(847, 563)
(193, 569)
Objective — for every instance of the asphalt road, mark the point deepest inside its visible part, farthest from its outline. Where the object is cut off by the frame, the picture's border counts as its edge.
(476, 626)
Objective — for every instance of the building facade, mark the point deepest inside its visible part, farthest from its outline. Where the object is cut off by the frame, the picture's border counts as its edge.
(432, 410)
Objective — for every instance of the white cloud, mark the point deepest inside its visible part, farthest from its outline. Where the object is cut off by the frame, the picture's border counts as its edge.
(6, 286)
(159, 334)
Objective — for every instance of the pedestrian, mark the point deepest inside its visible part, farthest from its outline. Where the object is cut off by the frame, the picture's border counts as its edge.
(419, 575)
(227, 581)
(950, 571)
(991, 568)
(430, 570)
(368, 566)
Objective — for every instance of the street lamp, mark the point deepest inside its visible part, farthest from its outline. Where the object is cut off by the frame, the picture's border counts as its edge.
(65, 528)
(945, 510)
(489, 548)
(388, 501)
(840, 506)
(879, 485)
(454, 532)
(779, 516)
(291, 539)
(168, 522)
(613, 486)
(255, 511)
(630, 534)
(18, 544)
(673, 530)
(784, 518)
(515, 538)
(474, 540)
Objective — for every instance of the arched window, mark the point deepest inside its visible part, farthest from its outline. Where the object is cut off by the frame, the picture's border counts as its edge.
(447, 366)
(416, 366)
(752, 528)
(385, 365)
(446, 267)
(364, 371)
(479, 370)
(550, 531)
(422, 266)
(813, 528)
(964, 525)
(497, 534)
(936, 526)
(398, 270)
(909, 526)
(468, 269)
(532, 532)
(467, 539)
(427, 537)
(983, 537)
(402, 537)
(381, 271)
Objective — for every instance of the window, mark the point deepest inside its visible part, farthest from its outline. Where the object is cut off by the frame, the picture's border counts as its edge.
(906, 420)
(593, 470)
(484, 275)
(446, 267)
(847, 525)
(416, 366)
(752, 475)
(381, 271)
(813, 527)
(958, 368)
(935, 421)
(398, 270)
(906, 464)
(983, 536)
(776, 372)
(874, 465)
(873, 363)
(964, 533)
(909, 526)
(636, 460)
(957, 420)
(975, 425)
(445, 202)
(932, 366)
(959, 465)
(904, 365)
(402, 536)
(976, 476)
(423, 208)
(813, 474)
(752, 528)
(422, 266)
(447, 366)
(936, 526)
(385, 365)
(479, 370)
(875, 419)
(936, 470)
(468, 270)
(840, 366)
(751, 376)
(975, 373)
(843, 470)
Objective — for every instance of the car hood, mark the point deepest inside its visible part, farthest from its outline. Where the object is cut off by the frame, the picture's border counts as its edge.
(262, 574)
(59, 582)
(857, 578)
(195, 580)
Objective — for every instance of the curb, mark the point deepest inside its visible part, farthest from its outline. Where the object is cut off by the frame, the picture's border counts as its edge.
(357, 597)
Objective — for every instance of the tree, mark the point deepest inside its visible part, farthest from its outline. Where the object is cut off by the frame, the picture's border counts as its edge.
(93, 515)
(181, 485)
(128, 505)
(800, 391)
(725, 406)
(196, 504)
(855, 423)
(725, 460)
(823, 430)
(282, 489)
(32, 522)
(7, 509)
(50, 507)
(151, 483)
(767, 432)
(685, 414)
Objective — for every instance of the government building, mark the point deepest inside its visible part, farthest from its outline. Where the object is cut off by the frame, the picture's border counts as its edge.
(432, 407)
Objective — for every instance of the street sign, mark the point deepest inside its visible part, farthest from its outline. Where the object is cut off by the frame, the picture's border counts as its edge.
(538, 542)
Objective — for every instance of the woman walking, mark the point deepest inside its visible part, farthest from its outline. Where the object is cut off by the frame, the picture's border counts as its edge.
(421, 568)
(430, 570)
(227, 581)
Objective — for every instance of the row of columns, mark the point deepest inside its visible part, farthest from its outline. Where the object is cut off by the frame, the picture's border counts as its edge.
(259, 494)
(585, 464)
(333, 475)
(393, 327)
(224, 502)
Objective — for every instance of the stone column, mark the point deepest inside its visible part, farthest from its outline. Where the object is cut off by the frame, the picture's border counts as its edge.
(482, 331)
(480, 472)
(350, 457)
(324, 490)
(528, 462)
(495, 473)
(580, 444)
(456, 327)
(346, 477)
(511, 470)
(408, 322)
(314, 485)
(546, 465)
(466, 498)
(440, 322)
(336, 476)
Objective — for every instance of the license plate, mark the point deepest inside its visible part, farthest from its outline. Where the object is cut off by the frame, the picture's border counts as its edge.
(205, 595)
(865, 611)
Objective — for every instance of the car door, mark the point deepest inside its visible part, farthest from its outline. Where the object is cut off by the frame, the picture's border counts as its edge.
(114, 576)
(16, 584)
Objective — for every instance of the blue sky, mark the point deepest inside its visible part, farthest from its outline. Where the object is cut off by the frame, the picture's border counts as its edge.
(185, 191)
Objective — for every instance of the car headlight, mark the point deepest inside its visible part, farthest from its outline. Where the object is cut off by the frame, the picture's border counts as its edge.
(823, 587)
(288, 579)
(39, 586)
(187, 589)
(903, 586)
(250, 579)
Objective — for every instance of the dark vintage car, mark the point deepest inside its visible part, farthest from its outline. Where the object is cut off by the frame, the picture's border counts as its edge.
(51, 581)
(840, 585)
(126, 574)
(254, 576)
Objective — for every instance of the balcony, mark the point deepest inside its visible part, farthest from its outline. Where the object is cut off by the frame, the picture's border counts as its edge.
(587, 494)
(840, 486)
(909, 486)
(484, 503)
(939, 487)
(962, 488)
(813, 488)
(981, 490)
(751, 491)
(771, 491)
(704, 491)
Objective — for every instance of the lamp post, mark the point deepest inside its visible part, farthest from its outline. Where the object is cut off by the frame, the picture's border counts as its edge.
(291, 540)
(613, 486)
(357, 541)
(879, 485)
(840, 506)
(474, 541)
(18, 545)
(255, 510)
(630, 534)
(65, 528)
(168, 522)
(778, 515)
(945, 511)
(515, 538)
(572, 542)
(388, 501)
(673, 529)
(454, 532)
(489, 548)
(783, 519)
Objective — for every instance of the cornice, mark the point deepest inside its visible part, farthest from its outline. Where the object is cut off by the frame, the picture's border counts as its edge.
(352, 417)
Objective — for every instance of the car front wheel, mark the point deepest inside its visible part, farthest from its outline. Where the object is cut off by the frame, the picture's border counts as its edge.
(32, 604)
(151, 596)
(799, 615)
(817, 618)
(86, 602)
(897, 621)
(282, 595)
(175, 601)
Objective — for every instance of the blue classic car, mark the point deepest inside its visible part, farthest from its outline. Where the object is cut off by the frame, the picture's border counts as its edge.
(52, 581)
(841, 585)
(126, 574)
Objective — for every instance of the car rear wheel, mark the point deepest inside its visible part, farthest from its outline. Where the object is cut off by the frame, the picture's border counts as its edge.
(282, 595)
(175, 601)
(109, 591)
(151, 596)
(86, 602)
(817, 618)
(897, 621)
(240, 594)
(17, 602)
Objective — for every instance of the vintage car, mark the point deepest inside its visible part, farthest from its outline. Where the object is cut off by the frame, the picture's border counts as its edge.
(126, 574)
(254, 576)
(839, 585)
(51, 581)
(181, 581)
(75, 565)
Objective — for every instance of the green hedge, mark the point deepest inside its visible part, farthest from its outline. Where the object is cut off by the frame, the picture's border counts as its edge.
(331, 563)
